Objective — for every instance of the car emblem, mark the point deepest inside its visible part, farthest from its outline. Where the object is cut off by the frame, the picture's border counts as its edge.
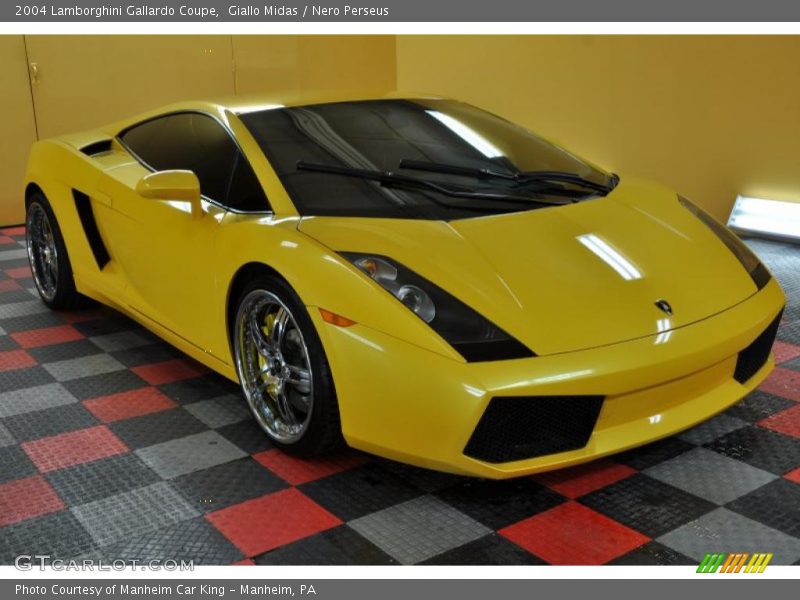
(664, 306)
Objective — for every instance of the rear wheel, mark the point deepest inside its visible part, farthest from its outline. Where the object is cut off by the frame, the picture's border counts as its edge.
(48, 258)
(283, 370)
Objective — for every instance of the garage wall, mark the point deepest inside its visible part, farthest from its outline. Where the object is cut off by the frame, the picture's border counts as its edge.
(80, 82)
(17, 128)
(319, 62)
(712, 116)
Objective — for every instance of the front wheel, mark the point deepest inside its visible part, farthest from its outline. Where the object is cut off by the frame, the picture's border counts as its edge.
(283, 370)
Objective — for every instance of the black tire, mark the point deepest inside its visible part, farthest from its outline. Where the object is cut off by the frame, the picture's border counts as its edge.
(66, 295)
(323, 432)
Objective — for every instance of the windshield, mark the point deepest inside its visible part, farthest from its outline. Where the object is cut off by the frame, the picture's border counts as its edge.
(480, 163)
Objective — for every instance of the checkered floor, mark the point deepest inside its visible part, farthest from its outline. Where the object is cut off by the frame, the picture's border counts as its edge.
(114, 445)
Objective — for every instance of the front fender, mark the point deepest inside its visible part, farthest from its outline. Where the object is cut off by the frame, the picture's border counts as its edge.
(320, 277)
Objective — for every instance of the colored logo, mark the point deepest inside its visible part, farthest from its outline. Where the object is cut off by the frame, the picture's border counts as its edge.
(739, 562)
(664, 306)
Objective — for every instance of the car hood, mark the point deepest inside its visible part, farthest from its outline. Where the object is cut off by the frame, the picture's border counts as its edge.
(565, 278)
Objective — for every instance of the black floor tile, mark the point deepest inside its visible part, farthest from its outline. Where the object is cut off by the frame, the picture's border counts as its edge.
(338, 546)
(759, 405)
(650, 455)
(761, 448)
(646, 505)
(653, 554)
(104, 325)
(492, 549)
(14, 464)
(155, 428)
(497, 504)
(247, 435)
(65, 351)
(227, 484)
(145, 355)
(50, 421)
(59, 535)
(24, 378)
(193, 540)
(28, 322)
(199, 388)
(360, 491)
(101, 478)
(8, 343)
(106, 384)
(776, 504)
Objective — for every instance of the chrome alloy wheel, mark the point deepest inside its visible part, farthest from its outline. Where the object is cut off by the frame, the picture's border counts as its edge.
(42, 252)
(272, 361)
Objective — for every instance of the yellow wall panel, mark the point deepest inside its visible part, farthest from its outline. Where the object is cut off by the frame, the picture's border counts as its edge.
(87, 81)
(320, 63)
(17, 128)
(712, 116)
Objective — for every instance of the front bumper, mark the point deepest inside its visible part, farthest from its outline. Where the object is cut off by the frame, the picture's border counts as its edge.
(408, 404)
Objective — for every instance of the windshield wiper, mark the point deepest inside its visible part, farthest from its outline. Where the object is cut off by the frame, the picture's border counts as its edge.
(389, 179)
(521, 177)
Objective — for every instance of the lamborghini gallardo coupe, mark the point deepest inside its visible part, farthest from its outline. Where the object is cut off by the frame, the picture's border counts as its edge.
(411, 276)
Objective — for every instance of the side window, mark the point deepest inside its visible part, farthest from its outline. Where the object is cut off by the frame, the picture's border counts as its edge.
(198, 143)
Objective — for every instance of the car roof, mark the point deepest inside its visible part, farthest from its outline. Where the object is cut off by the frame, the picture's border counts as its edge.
(252, 102)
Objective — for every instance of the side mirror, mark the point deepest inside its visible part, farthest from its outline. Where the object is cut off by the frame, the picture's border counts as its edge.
(172, 185)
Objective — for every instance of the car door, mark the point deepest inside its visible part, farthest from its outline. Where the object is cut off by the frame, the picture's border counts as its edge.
(165, 250)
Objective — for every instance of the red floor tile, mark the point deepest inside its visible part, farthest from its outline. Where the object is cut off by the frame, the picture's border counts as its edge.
(79, 316)
(793, 475)
(168, 371)
(19, 272)
(783, 382)
(14, 230)
(47, 336)
(6, 285)
(297, 471)
(73, 448)
(128, 404)
(580, 480)
(15, 359)
(27, 498)
(5, 240)
(571, 534)
(271, 521)
(785, 352)
(786, 421)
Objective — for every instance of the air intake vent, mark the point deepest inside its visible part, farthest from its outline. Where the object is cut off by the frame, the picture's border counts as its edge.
(752, 358)
(96, 148)
(519, 427)
(83, 204)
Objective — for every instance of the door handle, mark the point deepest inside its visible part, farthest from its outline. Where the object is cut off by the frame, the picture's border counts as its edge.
(34, 72)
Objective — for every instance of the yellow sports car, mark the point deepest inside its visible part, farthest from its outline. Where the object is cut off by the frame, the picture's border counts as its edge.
(412, 276)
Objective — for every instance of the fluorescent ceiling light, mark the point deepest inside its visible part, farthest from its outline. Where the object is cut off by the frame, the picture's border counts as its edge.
(611, 256)
(769, 217)
(466, 133)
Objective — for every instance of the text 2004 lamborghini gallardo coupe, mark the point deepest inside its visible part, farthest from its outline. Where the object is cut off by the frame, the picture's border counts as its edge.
(414, 276)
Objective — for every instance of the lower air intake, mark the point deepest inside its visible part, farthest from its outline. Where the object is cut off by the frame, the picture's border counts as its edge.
(519, 427)
(752, 358)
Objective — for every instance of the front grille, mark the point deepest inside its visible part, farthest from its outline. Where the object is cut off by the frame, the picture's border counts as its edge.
(519, 427)
(752, 358)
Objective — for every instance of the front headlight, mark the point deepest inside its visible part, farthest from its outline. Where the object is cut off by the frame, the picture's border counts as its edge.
(757, 271)
(470, 334)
